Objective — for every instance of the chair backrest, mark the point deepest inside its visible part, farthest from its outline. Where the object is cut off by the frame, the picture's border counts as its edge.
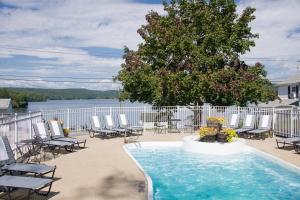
(265, 122)
(249, 121)
(234, 121)
(95, 122)
(6, 153)
(123, 121)
(56, 129)
(40, 131)
(109, 124)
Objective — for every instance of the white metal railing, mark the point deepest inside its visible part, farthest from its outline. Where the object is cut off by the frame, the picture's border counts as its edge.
(286, 121)
(18, 127)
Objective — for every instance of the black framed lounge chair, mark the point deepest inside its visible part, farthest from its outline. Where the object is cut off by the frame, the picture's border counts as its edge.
(58, 134)
(297, 147)
(233, 121)
(248, 124)
(133, 130)
(287, 141)
(42, 138)
(32, 184)
(9, 163)
(98, 128)
(265, 126)
(109, 124)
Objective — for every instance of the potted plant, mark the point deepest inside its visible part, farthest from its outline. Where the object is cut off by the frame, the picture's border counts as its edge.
(215, 122)
(208, 134)
(66, 132)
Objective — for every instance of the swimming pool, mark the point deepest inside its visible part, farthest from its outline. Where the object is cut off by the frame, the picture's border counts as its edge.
(179, 174)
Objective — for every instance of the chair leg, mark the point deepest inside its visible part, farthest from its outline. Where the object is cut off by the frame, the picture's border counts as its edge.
(44, 193)
(282, 147)
(53, 172)
(91, 133)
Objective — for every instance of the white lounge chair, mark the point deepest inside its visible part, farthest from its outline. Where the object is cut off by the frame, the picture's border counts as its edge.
(98, 128)
(133, 130)
(58, 134)
(233, 121)
(248, 124)
(109, 124)
(42, 138)
(265, 126)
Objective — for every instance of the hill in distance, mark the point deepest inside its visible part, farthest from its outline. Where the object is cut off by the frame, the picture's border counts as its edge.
(21, 96)
(67, 94)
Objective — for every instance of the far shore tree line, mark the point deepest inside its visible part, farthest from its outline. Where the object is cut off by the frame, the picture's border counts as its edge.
(21, 96)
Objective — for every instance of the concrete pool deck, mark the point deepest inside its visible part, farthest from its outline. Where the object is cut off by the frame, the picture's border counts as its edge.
(104, 171)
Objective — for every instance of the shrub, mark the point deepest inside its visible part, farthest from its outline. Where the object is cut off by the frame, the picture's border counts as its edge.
(204, 131)
(219, 120)
(230, 134)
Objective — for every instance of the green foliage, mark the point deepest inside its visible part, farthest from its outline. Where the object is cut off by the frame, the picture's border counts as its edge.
(230, 133)
(205, 131)
(219, 120)
(21, 96)
(190, 55)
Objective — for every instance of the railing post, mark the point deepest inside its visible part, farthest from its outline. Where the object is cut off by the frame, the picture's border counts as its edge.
(95, 110)
(144, 113)
(209, 110)
(292, 123)
(273, 121)
(30, 124)
(110, 111)
(68, 118)
(16, 128)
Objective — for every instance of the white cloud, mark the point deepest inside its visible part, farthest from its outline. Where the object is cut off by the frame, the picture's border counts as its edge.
(67, 26)
(88, 22)
(278, 25)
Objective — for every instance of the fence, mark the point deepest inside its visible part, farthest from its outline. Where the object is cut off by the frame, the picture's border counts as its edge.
(19, 127)
(286, 121)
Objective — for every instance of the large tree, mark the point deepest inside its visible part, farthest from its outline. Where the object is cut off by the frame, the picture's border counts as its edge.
(191, 54)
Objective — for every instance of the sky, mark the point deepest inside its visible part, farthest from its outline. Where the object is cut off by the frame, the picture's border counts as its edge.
(81, 41)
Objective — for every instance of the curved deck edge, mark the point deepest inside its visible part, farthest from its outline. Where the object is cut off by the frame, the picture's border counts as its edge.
(148, 178)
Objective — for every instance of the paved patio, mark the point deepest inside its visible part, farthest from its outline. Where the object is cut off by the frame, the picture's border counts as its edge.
(104, 171)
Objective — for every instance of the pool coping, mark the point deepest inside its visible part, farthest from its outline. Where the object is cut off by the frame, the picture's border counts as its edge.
(273, 158)
(148, 178)
(266, 155)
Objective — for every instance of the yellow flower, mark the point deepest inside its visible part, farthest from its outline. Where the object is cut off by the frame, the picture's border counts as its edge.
(230, 134)
(203, 131)
(220, 120)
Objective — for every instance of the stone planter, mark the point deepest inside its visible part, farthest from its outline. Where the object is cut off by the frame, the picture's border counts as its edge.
(214, 124)
(221, 137)
(208, 138)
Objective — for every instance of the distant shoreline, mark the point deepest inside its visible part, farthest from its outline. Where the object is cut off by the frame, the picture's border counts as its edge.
(21, 96)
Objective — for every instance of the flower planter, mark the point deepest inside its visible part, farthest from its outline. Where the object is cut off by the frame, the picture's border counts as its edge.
(66, 132)
(208, 138)
(221, 137)
(214, 124)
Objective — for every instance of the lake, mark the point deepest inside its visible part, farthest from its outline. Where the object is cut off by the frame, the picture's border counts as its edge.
(81, 103)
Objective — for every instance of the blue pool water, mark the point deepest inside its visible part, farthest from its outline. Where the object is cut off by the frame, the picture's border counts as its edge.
(177, 174)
